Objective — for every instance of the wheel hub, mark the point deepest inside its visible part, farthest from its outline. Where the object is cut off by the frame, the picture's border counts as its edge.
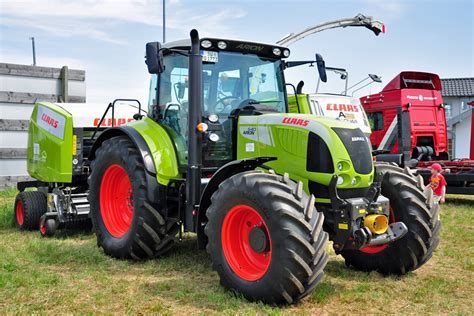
(258, 239)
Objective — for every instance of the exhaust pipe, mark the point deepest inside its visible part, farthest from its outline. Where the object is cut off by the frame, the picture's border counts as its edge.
(193, 181)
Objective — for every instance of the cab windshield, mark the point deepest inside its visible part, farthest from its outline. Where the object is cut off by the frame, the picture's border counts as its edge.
(230, 81)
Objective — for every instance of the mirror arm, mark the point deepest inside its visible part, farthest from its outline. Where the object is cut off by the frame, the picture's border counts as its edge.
(290, 64)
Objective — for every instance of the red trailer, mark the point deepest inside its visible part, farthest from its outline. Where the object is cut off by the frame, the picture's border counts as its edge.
(409, 128)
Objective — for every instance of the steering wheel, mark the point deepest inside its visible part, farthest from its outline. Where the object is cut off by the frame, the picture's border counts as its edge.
(221, 100)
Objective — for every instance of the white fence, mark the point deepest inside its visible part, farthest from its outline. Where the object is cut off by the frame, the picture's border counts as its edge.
(20, 87)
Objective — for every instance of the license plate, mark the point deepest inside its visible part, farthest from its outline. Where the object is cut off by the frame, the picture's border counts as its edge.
(209, 56)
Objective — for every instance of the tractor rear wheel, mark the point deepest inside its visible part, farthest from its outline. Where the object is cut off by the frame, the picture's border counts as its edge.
(126, 224)
(265, 237)
(408, 205)
(29, 207)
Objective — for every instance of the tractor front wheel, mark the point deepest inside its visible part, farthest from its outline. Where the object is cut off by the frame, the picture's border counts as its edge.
(126, 224)
(407, 205)
(265, 237)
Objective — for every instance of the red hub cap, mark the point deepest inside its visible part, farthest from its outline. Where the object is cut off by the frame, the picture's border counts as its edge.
(249, 259)
(19, 212)
(376, 249)
(116, 205)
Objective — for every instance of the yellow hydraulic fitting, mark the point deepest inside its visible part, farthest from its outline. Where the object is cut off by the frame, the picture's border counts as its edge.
(377, 224)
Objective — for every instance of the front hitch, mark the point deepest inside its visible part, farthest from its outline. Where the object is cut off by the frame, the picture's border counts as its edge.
(362, 222)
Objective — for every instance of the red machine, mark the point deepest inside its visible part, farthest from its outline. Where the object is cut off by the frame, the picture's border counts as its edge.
(409, 128)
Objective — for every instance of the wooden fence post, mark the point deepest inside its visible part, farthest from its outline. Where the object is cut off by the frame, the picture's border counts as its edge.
(64, 85)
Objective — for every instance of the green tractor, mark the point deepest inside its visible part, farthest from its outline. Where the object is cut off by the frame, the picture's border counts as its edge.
(219, 155)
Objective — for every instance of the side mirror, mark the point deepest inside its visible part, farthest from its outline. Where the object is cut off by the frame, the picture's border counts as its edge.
(154, 58)
(321, 68)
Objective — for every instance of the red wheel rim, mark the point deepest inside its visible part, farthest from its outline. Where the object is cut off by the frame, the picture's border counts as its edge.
(242, 259)
(19, 213)
(116, 205)
(43, 228)
(376, 249)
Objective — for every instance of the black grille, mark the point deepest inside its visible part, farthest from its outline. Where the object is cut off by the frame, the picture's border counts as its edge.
(319, 157)
(322, 191)
(356, 145)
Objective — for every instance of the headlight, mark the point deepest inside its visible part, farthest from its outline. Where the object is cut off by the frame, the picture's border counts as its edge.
(213, 137)
(277, 51)
(206, 43)
(340, 180)
(286, 53)
(221, 45)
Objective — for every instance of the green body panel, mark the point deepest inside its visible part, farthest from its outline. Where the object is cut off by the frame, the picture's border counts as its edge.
(164, 151)
(301, 107)
(269, 135)
(50, 139)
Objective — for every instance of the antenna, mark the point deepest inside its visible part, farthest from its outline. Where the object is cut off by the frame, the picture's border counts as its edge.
(164, 21)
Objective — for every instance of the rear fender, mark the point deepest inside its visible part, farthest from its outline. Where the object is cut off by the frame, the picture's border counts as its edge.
(155, 147)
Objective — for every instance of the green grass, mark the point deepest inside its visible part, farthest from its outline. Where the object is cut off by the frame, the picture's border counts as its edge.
(69, 274)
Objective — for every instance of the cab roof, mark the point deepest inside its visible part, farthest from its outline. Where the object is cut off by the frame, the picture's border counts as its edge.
(233, 45)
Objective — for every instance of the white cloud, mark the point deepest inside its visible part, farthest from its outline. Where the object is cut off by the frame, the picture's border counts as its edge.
(93, 18)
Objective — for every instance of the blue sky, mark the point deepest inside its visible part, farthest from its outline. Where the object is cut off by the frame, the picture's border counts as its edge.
(107, 37)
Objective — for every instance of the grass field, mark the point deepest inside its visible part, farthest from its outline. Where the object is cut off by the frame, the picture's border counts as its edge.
(69, 274)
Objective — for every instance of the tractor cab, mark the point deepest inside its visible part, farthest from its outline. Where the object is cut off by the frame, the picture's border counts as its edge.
(236, 76)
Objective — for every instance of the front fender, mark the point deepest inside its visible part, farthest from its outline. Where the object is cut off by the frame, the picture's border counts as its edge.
(224, 172)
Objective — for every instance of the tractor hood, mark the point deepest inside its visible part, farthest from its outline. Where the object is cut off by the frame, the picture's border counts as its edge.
(311, 148)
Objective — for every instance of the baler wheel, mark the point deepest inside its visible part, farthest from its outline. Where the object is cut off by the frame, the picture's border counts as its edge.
(126, 224)
(265, 237)
(29, 207)
(408, 205)
(48, 227)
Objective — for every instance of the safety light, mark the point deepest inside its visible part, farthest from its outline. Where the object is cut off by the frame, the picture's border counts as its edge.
(206, 43)
(340, 180)
(277, 51)
(339, 166)
(221, 45)
(202, 127)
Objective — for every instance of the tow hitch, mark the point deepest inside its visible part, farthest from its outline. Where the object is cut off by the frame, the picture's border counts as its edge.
(363, 237)
(362, 222)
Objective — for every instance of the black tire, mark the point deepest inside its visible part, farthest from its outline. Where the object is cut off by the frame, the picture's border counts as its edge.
(417, 180)
(149, 235)
(408, 204)
(33, 205)
(48, 227)
(298, 254)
